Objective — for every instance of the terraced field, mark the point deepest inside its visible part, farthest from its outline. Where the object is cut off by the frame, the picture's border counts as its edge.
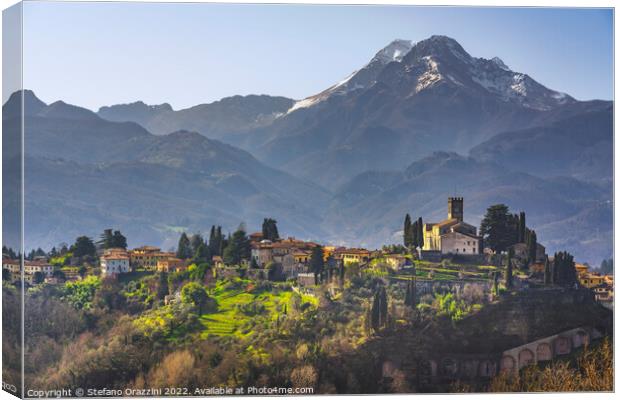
(228, 319)
(431, 271)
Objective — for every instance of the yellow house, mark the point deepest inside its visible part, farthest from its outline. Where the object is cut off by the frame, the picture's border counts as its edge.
(581, 269)
(591, 280)
(171, 264)
(350, 256)
(147, 257)
(301, 257)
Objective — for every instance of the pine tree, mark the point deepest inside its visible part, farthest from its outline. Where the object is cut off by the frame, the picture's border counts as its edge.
(118, 240)
(195, 241)
(202, 254)
(238, 248)
(83, 246)
(270, 229)
(183, 249)
(498, 228)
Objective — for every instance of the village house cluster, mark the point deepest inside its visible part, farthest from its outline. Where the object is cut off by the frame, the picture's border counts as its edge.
(32, 269)
(118, 261)
(292, 258)
(601, 285)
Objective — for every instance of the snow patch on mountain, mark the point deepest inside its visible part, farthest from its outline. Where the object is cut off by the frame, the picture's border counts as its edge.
(430, 76)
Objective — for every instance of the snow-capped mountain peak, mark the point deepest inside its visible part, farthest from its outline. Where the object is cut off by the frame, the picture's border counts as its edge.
(395, 51)
(498, 61)
(360, 79)
(412, 68)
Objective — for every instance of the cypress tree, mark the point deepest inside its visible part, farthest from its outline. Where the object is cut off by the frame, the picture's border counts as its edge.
(531, 246)
(407, 239)
(162, 286)
(522, 227)
(420, 243)
(368, 319)
(547, 272)
(317, 264)
(383, 307)
(408, 294)
(509, 257)
(375, 314)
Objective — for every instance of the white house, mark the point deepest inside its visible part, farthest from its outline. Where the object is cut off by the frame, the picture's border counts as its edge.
(114, 263)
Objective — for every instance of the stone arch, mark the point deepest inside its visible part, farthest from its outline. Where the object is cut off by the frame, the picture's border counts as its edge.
(433, 364)
(469, 368)
(388, 369)
(508, 364)
(487, 368)
(561, 345)
(426, 368)
(544, 352)
(581, 338)
(449, 367)
(526, 357)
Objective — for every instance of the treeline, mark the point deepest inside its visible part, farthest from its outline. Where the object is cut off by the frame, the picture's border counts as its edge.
(501, 229)
(413, 234)
(233, 248)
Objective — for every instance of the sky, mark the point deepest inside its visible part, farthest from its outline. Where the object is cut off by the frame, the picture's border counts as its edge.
(96, 54)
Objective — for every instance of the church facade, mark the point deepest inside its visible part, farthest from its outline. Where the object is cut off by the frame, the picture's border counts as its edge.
(452, 235)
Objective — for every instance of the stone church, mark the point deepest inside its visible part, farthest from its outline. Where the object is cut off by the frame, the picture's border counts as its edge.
(452, 235)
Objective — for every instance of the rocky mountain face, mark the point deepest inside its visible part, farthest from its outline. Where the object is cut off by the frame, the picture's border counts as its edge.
(434, 97)
(418, 123)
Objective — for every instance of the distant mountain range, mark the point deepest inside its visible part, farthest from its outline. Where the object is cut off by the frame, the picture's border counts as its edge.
(230, 116)
(421, 121)
(85, 173)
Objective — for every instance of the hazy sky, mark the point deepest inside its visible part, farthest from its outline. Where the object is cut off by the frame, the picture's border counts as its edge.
(95, 54)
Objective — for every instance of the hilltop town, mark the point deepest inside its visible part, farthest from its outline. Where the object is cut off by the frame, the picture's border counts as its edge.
(251, 289)
(271, 257)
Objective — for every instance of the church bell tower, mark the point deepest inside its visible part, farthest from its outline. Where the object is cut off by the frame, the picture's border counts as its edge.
(455, 208)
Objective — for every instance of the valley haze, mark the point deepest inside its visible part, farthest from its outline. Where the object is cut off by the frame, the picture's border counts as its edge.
(418, 123)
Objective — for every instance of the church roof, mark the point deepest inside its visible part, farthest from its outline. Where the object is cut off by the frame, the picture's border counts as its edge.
(447, 222)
